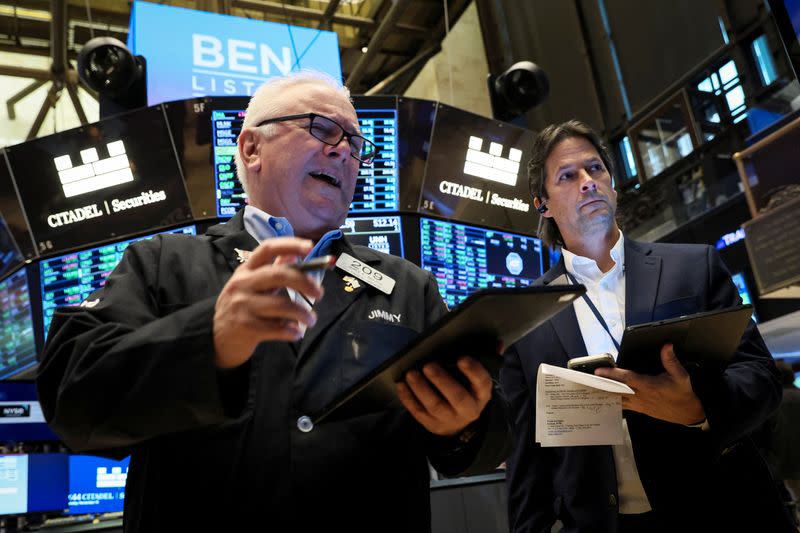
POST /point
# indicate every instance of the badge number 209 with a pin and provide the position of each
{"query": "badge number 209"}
(365, 273)
(365, 270)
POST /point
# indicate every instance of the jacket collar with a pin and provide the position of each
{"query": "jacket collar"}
(642, 276)
(231, 236)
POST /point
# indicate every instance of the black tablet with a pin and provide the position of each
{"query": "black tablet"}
(704, 339)
(486, 319)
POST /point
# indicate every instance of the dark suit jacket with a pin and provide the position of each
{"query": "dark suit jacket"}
(132, 372)
(691, 477)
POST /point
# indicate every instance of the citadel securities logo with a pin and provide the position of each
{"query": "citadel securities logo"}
(217, 54)
(489, 166)
(80, 214)
(492, 166)
(95, 173)
(114, 479)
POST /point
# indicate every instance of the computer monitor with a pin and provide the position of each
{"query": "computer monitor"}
(33, 483)
(740, 281)
(96, 484)
(102, 181)
(61, 482)
(377, 187)
(786, 14)
(17, 340)
(384, 233)
(69, 279)
(21, 417)
(554, 254)
(741, 286)
(12, 214)
(476, 172)
(227, 117)
(10, 255)
(467, 258)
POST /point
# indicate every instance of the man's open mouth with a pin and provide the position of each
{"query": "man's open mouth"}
(324, 176)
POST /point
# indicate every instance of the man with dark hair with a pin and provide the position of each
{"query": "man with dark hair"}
(687, 463)
(203, 357)
(543, 144)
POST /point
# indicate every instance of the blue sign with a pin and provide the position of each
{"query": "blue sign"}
(193, 53)
(730, 238)
(96, 484)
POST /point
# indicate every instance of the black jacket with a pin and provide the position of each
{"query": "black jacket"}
(131, 371)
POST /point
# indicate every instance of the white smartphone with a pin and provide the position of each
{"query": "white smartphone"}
(588, 363)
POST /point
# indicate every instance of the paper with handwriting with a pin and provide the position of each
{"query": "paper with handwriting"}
(577, 409)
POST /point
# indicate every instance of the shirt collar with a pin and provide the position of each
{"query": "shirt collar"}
(586, 269)
(262, 226)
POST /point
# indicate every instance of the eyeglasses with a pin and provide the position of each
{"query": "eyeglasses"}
(331, 132)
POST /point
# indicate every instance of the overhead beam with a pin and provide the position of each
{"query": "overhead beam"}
(275, 8)
(325, 21)
(11, 102)
(49, 101)
(419, 59)
(455, 9)
(58, 36)
(23, 72)
(376, 42)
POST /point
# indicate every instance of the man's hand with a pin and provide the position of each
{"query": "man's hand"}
(440, 403)
(668, 396)
(253, 305)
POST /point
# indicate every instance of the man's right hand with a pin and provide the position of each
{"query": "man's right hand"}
(253, 306)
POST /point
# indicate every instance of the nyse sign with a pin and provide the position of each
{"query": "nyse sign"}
(222, 55)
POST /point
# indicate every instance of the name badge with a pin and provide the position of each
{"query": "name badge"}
(365, 273)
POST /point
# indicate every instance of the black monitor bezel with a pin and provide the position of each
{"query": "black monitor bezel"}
(789, 37)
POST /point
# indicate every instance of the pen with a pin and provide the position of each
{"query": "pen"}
(318, 263)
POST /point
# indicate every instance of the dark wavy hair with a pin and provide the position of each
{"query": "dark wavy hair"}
(543, 145)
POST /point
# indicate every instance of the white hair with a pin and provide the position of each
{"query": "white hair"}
(264, 104)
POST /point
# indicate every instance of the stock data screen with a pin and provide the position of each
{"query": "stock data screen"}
(376, 188)
(226, 125)
(383, 234)
(464, 258)
(17, 343)
(70, 279)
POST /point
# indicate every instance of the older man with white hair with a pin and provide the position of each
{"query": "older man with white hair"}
(201, 355)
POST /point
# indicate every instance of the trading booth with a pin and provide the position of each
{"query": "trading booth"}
(448, 191)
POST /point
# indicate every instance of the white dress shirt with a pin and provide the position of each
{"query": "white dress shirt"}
(262, 226)
(607, 293)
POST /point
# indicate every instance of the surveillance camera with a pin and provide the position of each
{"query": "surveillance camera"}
(106, 65)
(522, 86)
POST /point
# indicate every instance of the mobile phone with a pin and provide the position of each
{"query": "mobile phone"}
(589, 362)
(324, 262)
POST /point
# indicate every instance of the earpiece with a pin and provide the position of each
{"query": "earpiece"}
(542, 209)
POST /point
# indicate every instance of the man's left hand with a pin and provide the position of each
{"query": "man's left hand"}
(668, 396)
(440, 403)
